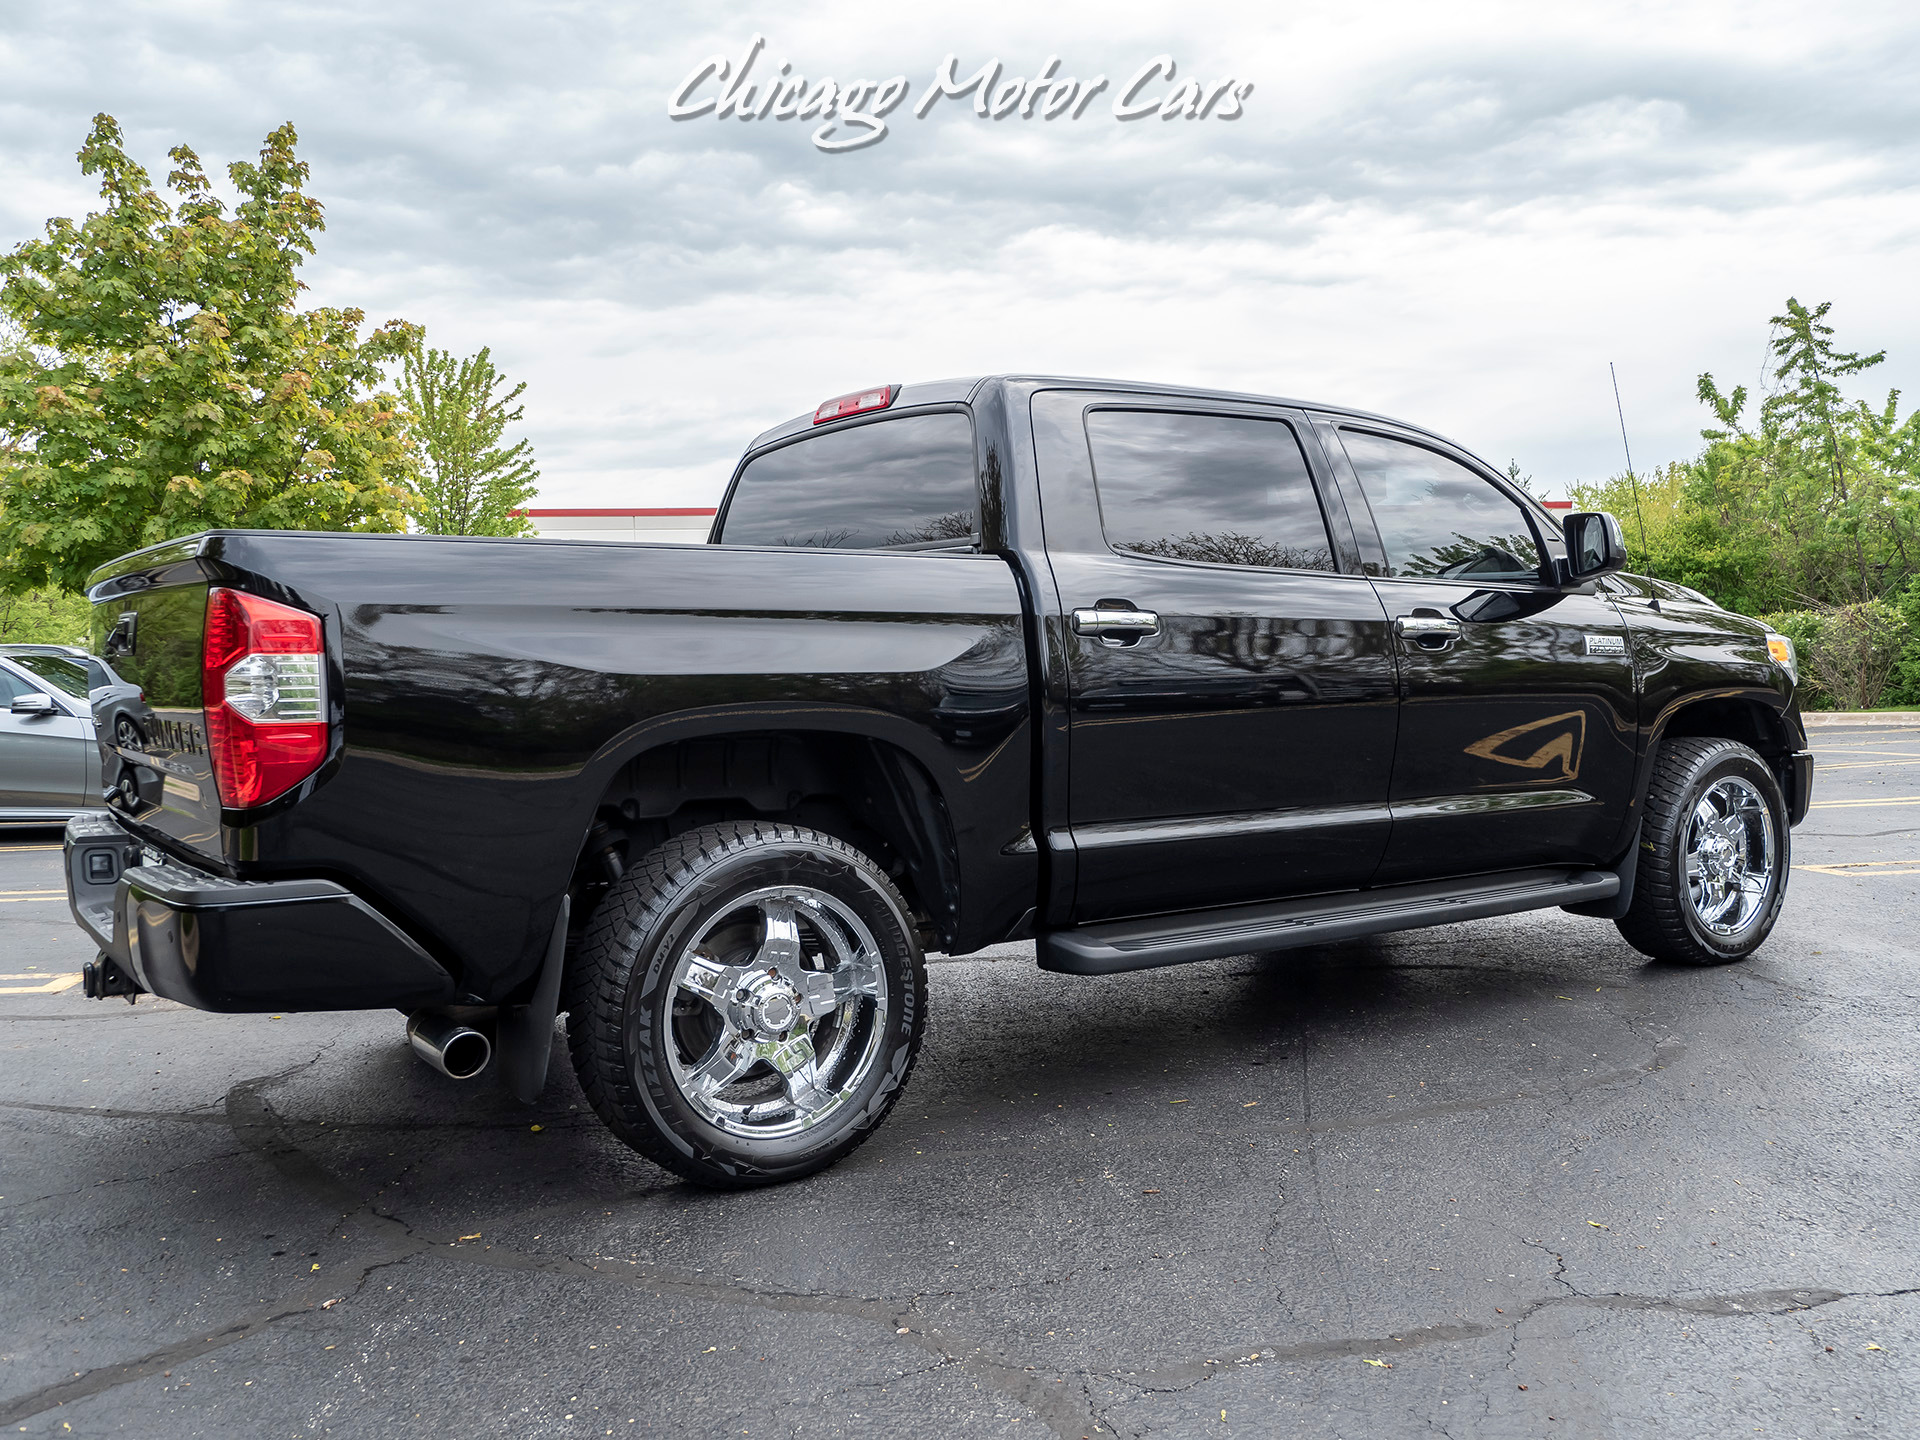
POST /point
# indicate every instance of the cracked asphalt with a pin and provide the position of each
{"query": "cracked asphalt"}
(1497, 1179)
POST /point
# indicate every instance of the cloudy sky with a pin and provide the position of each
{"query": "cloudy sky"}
(1457, 214)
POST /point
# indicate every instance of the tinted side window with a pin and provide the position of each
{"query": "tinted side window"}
(1222, 488)
(1438, 518)
(63, 676)
(909, 481)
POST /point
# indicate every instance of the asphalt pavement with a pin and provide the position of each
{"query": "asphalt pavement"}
(1496, 1179)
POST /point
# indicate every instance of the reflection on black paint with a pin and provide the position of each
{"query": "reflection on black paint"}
(492, 689)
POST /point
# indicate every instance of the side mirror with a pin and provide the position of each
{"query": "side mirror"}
(1595, 545)
(34, 702)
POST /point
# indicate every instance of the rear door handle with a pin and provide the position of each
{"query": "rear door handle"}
(1115, 622)
(1417, 625)
(1429, 632)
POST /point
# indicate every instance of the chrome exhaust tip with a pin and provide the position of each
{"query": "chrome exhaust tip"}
(457, 1051)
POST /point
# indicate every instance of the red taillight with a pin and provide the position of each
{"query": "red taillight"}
(842, 406)
(263, 683)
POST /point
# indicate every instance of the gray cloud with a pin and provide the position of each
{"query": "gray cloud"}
(1457, 217)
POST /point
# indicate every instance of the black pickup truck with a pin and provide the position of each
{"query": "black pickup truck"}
(1144, 674)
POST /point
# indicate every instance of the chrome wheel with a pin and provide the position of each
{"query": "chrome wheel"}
(777, 1009)
(1730, 856)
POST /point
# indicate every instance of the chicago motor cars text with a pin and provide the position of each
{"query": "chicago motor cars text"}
(853, 115)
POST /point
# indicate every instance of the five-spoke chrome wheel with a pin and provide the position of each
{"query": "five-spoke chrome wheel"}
(747, 1002)
(1730, 855)
(778, 1007)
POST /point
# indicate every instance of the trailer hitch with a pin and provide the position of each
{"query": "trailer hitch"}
(103, 977)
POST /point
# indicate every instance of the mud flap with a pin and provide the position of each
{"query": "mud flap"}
(1618, 905)
(525, 1032)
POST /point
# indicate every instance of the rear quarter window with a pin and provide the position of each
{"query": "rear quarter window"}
(898, 483)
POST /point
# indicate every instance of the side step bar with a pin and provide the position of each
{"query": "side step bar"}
(1120, 945)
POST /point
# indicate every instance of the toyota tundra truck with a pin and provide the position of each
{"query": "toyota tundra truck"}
(1144, 675)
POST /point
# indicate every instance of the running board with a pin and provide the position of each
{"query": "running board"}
(1109, 948)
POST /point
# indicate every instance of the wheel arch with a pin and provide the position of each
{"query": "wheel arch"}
(1756, 718)
(871, 791)
(1753, 717)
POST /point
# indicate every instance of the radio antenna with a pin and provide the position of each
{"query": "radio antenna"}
(1632, 479)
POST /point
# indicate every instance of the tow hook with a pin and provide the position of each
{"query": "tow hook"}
(103, 977)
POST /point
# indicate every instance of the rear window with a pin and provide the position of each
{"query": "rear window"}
(1220, 488)
(69, 677)
(905, 483)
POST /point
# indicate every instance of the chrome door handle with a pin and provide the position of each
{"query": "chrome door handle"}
(1109, 622)
(1426, 625)
(1424, 628)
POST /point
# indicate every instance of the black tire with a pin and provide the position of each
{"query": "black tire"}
(1664, 921)
(625, 1008)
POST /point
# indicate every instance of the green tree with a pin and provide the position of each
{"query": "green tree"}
(1829, 484)
(44, 617)
(169, 383)
(472, 484)
(1813, 415)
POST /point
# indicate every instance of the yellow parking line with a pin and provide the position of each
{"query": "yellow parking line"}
(23, 849)
(55, 984)
(29, 899)
(1866, 804)
(1825, 769)
(1866, 869)
(24, 894)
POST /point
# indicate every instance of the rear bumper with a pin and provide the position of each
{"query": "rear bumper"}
(1799, 786)
(240, 945)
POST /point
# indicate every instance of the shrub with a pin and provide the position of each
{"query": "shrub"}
(1847, 654)
(1903, 688)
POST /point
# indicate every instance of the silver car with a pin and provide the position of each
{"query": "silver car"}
(49, 761)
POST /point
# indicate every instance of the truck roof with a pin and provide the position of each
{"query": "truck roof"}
(935, 392)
